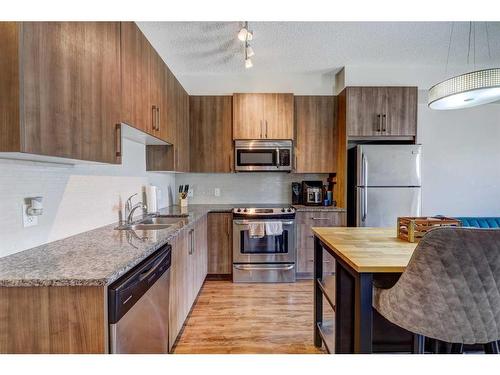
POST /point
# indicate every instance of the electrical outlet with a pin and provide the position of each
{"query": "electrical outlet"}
(190, 192)
(217, 192)
(28, 220)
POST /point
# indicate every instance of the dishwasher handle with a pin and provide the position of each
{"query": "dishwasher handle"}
(128, 289)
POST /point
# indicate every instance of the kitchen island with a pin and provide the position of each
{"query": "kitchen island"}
(364, 256)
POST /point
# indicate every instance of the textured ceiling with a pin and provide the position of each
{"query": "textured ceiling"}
(208, 53)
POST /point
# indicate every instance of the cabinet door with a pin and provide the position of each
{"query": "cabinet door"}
(315, 129)
(200, 255)
(179, 300)
(401, 113)
(210, 123)
(278, 116)
(365, 107)
(182, 139)
(135, 53)
(220, 244)
(167, 121)
(71, 85)
(156, 73)
(248, 115)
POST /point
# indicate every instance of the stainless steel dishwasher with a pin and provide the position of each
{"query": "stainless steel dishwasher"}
(138, 306)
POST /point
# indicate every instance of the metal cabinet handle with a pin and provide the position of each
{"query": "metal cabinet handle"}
(118, 141)
(320, 218)
(230, 164)
(384, 123)
(153, 117)
(191, 233)
(266, 128)
(325, 261)
(260, 128)
(158, 118)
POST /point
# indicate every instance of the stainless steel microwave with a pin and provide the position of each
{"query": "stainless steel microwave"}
(263, 156)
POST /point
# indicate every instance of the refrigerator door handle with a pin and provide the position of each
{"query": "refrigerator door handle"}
(365, 206)
(364, 170)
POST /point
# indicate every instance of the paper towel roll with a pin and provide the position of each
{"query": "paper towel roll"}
(152, 198)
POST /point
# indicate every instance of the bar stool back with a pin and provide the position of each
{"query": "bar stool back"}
(450, 290)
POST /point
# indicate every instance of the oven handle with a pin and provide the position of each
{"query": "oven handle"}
(246, 222)
(260, 268)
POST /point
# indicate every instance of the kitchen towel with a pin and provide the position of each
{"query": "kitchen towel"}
(256, 229)
(274, 228)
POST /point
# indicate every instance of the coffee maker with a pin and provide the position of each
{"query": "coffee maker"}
(312, 193)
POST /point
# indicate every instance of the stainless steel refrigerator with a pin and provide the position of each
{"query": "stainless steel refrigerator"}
(384, 182)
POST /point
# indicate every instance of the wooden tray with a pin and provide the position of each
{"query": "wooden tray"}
(412, 229)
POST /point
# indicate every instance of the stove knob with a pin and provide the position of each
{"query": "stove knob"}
(245, 210)
(289, 210)
(238, 210)
(282, 210)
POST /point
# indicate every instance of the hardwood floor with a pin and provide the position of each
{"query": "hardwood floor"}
(250, 318)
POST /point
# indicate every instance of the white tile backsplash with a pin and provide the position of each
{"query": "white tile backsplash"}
(75, 198)
(270, 187)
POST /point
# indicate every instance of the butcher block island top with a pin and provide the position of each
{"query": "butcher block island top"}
(368, 249)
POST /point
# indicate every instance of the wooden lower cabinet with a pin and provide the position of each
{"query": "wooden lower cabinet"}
(187, 274)
(220, 243)
(53, 320)
(305, 220)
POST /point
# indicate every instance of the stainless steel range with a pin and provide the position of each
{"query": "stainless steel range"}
(264, 244)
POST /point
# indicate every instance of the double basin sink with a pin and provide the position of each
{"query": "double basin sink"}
(154, 222)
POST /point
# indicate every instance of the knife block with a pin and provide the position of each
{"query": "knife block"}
(183, 202)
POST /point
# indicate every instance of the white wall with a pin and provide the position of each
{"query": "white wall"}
(76, 198)
(461, 160)
(243, 187)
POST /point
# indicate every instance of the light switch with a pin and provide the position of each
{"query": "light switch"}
(217, 192)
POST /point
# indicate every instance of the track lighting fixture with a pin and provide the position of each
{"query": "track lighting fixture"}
(245, 35)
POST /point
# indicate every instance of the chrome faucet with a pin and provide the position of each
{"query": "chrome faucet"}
(129, 209)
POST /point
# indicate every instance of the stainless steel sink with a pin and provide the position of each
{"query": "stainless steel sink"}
(154, 223)
(141, 226)
(160, 220)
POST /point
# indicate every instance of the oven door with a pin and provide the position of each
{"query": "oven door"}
(266, 249)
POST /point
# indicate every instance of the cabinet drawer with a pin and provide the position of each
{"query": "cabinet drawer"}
(320, 219)
(305, 261)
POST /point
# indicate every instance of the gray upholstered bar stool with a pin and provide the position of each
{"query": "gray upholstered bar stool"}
(450, 290)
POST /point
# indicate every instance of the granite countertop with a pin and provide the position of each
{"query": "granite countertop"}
(100, 256)
(301, 207)
(94, 258)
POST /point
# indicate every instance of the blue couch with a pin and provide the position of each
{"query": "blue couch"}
(480, 222)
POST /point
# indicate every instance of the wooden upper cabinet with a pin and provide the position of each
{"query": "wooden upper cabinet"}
(182, 145)
(401, 111)
(210, 123)
(248, 115)
(315, 129)
(381, 111)
(135, 55)
(174, 129)
(262, 116)
(60, 85)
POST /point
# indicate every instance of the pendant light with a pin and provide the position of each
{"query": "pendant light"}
(469, 89)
